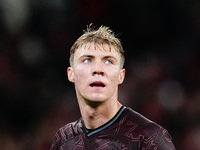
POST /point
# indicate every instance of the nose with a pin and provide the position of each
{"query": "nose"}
(98, 70)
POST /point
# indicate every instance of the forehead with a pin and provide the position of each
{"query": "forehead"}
(92, 48)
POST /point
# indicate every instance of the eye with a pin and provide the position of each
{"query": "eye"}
(108, 62)
(87, 61)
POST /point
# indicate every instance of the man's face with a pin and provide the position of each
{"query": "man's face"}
(96, 72)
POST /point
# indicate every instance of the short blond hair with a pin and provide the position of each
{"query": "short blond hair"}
(102, 35)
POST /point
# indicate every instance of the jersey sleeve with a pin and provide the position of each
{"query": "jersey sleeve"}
(157, 138)
(57, 141)
(66, 133)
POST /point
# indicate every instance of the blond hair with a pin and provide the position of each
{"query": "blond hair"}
(102, 35)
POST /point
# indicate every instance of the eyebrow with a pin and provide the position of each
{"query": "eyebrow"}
(110, 57)
(88, 56)
(91, 56)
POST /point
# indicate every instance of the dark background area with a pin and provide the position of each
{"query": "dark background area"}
(161, 40)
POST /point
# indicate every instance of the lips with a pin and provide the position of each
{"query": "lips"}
(97, 84)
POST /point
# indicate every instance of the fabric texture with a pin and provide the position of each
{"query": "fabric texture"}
(127, 130)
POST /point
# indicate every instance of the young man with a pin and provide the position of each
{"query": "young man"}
(96, 61)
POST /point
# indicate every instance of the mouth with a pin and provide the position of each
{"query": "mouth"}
(97, 84)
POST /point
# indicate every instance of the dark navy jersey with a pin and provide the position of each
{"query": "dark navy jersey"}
(127, 130)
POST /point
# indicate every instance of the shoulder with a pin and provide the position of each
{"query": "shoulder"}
(67, 132)
(71, 129)
(141, 121)
(132, 117)
(145, 126)
(149, 132)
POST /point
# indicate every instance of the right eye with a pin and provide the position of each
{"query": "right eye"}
(87, 61)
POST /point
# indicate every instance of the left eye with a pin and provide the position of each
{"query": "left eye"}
(108, 62)
(87, 61)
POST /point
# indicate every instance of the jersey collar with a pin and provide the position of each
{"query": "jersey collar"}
(91, 132)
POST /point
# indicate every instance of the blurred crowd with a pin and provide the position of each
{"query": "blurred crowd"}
(162, 48)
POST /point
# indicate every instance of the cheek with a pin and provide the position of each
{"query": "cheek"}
(114, 77)
(80, 74)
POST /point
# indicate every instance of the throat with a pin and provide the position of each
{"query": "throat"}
(91, 131)
(93, 104)
(95, 118)
(98, 116)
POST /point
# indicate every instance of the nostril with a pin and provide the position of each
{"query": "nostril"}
(98, 73)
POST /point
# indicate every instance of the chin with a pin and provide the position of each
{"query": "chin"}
(95, 98)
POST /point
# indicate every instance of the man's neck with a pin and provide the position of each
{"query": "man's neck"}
(96, 114)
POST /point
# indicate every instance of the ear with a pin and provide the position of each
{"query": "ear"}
(121, 76)
(70, 73)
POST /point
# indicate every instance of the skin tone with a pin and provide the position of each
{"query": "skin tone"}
(96, 74)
